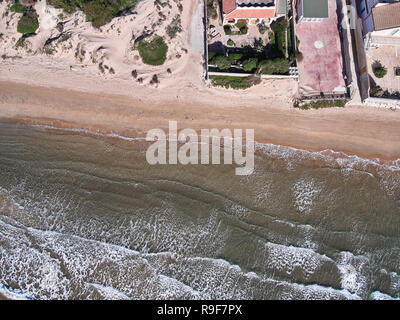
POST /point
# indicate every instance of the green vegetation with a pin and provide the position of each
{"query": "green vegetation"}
(321, 104)
(235, 56)
(99, 12)
(211, 55)
(212, 9)
(242, 26)
(250, 64)
(230, 43)
(376, 92)
(153, 52)
(262, 28)
(231, 82)
(29, 22)
(279, 37)
(16, 7)
(275, 66)
(274, 57)
(379, 70)
(222, 62)
(228, 29)
(175, 27)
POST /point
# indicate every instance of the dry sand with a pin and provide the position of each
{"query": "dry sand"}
(63, 90)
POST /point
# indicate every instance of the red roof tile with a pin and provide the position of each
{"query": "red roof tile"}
(228, 6)
(251, 13)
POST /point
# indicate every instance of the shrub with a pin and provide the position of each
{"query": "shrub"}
(321, 104)
(275, 66)
(230, 43)
(211, 55)
(242, 26)
(99, 12)
(211, 9)
(153, 52)
(262, 28)
(379, 70)
(228, 29)
(279, 28)
(16, 7)
(250, 64)
(175, 27)
(231, 82)
(376, 92)
(28, 23)
(222, 62)
(235, 56)
(299, 56)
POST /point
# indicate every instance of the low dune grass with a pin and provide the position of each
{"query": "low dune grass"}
(153, 52)
(99, 12)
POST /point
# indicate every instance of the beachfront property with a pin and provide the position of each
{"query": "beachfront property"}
(321, 68)
(381, 35)
(381, 22)
(253, 11)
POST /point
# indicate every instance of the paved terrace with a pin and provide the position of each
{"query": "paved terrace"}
(389, 56)
(321, 69)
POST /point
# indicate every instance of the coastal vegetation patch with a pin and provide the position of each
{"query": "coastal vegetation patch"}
(17, 7)
(320, 104)
(29, 22)
(232, 82)
(153, 52)
(99, 12)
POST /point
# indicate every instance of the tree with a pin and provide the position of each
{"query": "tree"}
(379, 70)
(250, 64)
(276, 66)
(222, 62)
(235, 56)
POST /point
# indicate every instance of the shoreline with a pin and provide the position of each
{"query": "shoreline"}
(365, 132)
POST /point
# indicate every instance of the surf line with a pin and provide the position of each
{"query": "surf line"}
(188, 153)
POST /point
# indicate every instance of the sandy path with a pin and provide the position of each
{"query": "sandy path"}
(366, 132)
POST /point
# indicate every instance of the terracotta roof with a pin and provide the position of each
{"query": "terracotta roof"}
(386, 16)
(228, 6)
(251, 13)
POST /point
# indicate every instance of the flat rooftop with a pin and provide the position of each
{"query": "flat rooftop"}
(386, 16)
(321, 69)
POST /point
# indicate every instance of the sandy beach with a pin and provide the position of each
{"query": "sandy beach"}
(65, 90)
(362, 131)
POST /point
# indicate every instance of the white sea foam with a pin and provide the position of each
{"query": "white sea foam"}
(12, 294)
(305, 191)
(377, 295)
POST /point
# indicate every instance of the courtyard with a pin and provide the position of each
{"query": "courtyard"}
(389, 57)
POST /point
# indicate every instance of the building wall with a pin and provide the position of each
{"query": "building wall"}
(365, 11)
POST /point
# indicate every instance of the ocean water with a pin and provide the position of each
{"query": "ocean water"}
(83, 216)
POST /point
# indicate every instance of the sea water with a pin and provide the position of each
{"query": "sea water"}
(84, 216)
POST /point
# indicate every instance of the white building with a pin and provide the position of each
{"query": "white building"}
(381, 22)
